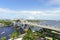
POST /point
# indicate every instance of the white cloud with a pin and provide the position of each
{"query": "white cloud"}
(31, 14)
(31, 17)
(3, 10)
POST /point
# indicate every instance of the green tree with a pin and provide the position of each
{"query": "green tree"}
(6, 22)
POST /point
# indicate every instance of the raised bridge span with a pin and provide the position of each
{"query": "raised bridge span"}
(43, 26)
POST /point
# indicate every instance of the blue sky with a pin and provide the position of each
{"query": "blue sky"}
(30, 9)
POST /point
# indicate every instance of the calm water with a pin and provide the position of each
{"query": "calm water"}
(51, 23)
(6, 31)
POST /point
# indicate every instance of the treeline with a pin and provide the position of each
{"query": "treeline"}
(5, 22)
(35, 20)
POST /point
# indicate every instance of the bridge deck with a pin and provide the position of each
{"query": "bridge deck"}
(43, 26)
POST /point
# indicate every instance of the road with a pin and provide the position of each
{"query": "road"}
(43, 26)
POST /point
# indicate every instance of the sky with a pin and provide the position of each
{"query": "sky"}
(30, 9)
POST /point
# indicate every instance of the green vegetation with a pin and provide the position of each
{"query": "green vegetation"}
(37, 35)
(5, 22)
(14, 34)
(51, 34)
(3, 38)
(29, 35)
(35, 20)
(33, 35)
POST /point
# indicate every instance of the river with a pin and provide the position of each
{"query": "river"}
(5, 31)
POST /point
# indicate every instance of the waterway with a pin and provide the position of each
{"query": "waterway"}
(5, 31)
(50, 23)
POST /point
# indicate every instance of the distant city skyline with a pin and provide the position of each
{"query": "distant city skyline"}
(30, 9)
